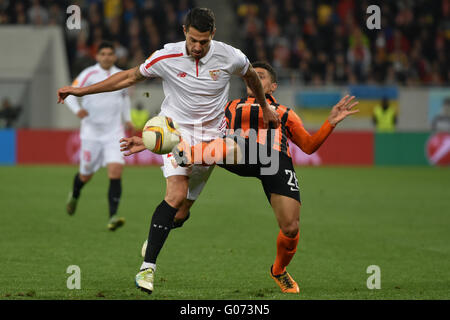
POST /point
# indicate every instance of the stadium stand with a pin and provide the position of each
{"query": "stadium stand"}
(137, 28)
(309, 42)
(327, 42)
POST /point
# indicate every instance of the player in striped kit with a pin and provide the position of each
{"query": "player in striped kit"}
(103, 117)
(281, 184)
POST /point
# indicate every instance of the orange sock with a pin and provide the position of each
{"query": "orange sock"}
(209, 153)
(286, 248)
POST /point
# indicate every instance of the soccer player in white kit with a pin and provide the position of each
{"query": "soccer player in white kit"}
(196, 74)
(102, 117)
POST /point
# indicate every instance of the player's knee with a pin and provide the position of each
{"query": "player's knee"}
(176, 191)
(179, 220)
(114, 176)
(175, 199)
(115, 172)
(181, 214)
(290, 229)
(85, 178)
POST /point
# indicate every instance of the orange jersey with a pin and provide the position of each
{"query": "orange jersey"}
(246, 114)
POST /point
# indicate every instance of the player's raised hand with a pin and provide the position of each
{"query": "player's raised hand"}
(131, 145)
(342, 109)
(64, 92)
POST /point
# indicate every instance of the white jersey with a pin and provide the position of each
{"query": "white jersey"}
(107, 110)
(196, 91)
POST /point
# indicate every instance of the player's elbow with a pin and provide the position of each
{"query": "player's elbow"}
(251, 77)
(135, 75)
(309, 146)
(309, 150)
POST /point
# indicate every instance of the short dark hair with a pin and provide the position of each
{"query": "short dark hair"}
(268, 67)
(201, 19)
(106, 44)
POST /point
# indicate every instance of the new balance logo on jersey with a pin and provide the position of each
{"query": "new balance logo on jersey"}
(182, 74)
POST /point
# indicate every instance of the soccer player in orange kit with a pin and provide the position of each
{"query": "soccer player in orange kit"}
(281, 187)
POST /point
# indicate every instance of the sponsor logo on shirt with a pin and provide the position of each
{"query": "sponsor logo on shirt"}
(438, 149)
(182, 74)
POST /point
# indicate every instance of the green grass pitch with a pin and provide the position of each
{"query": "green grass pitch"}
(352, 217)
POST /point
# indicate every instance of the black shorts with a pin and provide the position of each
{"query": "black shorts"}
(284, 181)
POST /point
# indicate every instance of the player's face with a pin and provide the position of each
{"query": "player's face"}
(266, 81)
(106, 58)
(197, 43)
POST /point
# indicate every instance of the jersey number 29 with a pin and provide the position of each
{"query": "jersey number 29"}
(293, 181)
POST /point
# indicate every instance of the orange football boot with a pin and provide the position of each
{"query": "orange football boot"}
(285, 282)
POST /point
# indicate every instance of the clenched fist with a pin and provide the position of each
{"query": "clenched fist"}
(64, 92)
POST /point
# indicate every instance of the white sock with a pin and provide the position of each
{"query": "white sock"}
(146, 265)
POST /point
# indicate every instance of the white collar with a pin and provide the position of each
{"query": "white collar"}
(206, 57)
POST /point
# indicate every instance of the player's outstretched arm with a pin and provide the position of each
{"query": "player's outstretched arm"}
(117, 81)
(131, 145)
(342, 109)
(310, 143)
(270, 116)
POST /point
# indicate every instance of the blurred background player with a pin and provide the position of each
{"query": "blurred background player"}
(384, 116)
(9, 113)
(441, 122)
(102, 118)
(139, 117)
(196, 74)
(281, 188)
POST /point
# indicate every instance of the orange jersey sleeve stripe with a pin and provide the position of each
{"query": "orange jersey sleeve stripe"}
(305, 141)
(245, 114)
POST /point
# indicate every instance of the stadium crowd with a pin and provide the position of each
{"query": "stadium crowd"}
(136, 27)
(311, 42)
(328, 42)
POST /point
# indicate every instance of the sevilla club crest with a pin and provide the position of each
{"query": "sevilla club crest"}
(214, 74)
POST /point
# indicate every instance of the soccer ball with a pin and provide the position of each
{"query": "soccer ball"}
(160, 135)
